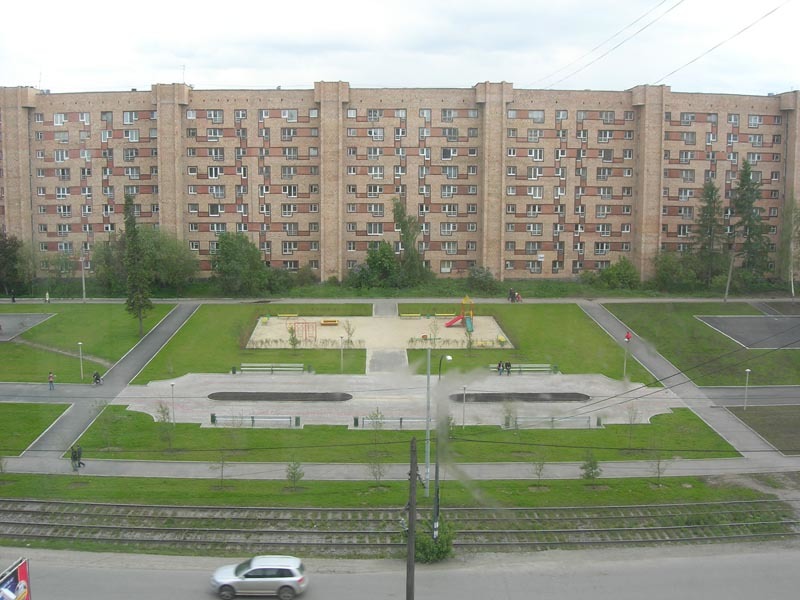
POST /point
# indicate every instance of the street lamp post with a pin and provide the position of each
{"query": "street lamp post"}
(448, 358)
(441, 358)
(172, 393)
(464, 408)
(746, 386)
(80, 357)
(428, 426)
(625, 360)
(341, 354)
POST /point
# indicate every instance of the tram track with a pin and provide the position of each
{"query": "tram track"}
(380, 532)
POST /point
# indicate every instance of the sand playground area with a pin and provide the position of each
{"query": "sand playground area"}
(376, 333)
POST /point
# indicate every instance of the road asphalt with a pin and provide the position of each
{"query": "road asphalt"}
(403, 390)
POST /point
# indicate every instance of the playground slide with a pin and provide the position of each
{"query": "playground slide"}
(454, 320)
(468, 323)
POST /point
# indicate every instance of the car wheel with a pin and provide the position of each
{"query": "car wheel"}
(286, 593)
(226, 592)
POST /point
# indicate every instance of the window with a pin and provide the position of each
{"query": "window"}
(534, 228)
(536, 154)
(607, 116)
(755, 120)
(601, 248)
(132, 135)
(374, 228)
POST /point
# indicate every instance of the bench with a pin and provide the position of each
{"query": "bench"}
(287, 315)
(329, 322)
(529, 368)
(410, 315)
(253, 421)
(445, 314)
(271, 367)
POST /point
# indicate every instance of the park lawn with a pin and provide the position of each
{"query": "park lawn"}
(779, 425)
(368, 493)
(25, 364)
(106, 330)
(213, 340)
(122, 434)
(706, 356)
(24, 422)
(556, 334)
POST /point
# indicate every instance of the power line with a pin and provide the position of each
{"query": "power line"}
(598, 46)
(725, 41)
(610, 50)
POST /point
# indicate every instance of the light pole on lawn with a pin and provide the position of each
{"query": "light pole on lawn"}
(428, 419)
(464, 407)
(172, 393)
(625, 360)
(341, 354)
(80, 357)
(746, 386)
(448, 358)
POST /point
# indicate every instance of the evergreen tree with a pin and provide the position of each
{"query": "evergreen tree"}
(750, 228)
(137, 266)
(710, 240)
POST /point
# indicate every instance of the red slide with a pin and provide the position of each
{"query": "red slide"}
(453, 321)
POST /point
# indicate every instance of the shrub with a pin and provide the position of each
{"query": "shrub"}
(427, 550)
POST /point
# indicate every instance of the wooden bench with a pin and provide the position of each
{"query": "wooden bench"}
(287, 315)
(410, 315)
(272, 367)
(445, 314)
(529, 368)
(329, 322)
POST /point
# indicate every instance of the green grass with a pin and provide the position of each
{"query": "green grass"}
(24, 423)
(122, 434)
(366, 494)
(706, 356)
(106, 330)
(213, 340)
(779, 425)
(558, 334)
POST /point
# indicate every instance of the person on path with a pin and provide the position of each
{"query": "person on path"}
(73, 457)
(508, 368)
(13, 297)
(500, 368)
(51, 380)
(47, 297)
(79, 453)
(518, 298)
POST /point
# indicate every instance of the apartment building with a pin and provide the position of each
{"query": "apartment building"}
(528, 183)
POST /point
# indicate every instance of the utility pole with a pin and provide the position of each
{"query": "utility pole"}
(412, 520)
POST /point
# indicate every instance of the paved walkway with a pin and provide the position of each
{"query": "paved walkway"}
(390, 383)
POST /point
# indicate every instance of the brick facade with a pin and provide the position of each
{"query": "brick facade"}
(528, 183)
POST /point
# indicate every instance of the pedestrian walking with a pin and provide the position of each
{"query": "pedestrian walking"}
(73, 457)
(511, 294)
(508, 368)
(79, 453)
(51, 380)
(47, 297)
(500, 368)
(518, 298)
(13, 297)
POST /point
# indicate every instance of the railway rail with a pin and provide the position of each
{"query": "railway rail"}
(380, 532)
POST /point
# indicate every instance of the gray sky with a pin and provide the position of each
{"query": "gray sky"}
(98, 46)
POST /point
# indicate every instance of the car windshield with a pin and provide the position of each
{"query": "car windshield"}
(242, 568)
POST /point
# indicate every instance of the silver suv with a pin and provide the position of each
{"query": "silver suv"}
(282, 576)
